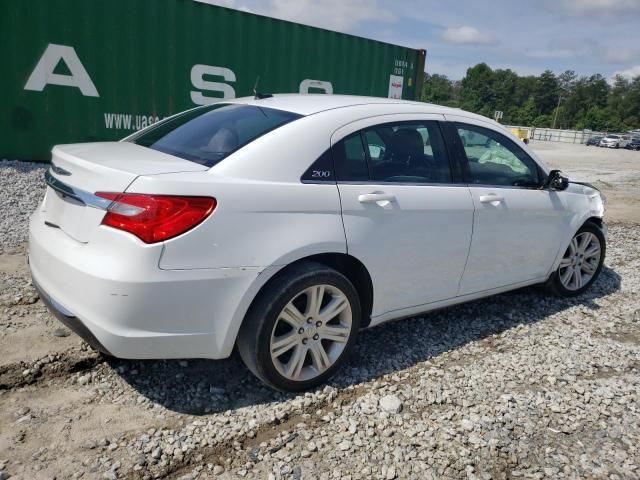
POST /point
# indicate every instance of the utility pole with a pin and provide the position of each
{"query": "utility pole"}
(555, 117)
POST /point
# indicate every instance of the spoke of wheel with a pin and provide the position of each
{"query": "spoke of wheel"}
(319, 357)
(292, 315)
(314, 300)
(565, 277)
(585, 241)
(573, 246)
(588, 268)
(334, 333)
(577, 275)
(295, 364)
(592, 252)
(284, 343)
(337, 304)
(565, 262)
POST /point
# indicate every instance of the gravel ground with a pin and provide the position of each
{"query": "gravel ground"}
(521, 385)
(21, 189)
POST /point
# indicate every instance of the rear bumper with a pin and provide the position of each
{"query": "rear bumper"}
(69, 320)
(112, 293)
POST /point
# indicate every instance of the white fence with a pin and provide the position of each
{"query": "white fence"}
(557, 135)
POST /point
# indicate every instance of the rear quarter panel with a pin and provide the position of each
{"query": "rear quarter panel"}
(255, 223)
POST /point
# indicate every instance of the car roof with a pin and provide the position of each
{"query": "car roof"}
(309, 104)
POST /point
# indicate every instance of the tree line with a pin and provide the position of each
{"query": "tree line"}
(565, 101)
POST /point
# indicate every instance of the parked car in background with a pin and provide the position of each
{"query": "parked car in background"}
(634, 144)
(615, 141)
(284, 225)
(594, 141)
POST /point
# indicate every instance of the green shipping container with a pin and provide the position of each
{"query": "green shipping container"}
(87, 70)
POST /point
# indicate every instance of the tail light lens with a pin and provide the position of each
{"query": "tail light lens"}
(154, 218)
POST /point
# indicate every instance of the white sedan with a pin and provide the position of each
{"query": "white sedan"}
(284, 225)
(615, 141)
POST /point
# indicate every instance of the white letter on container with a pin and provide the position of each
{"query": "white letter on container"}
(43, 74)
(197, 80)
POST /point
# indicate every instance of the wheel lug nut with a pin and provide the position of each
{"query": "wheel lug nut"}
(304, 341)
(316, 336)
(301, 331)
(318, 323)
(309, 320)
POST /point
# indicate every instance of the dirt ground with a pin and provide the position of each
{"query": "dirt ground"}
(68, 412)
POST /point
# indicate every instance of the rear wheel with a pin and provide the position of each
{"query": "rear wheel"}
(581, 263)
(300, 328)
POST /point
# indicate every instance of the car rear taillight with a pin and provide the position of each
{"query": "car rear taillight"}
(154, 218)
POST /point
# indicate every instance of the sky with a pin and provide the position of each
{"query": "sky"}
(528, 36)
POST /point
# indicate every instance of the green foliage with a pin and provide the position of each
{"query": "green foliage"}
(437, 89)
(584, 102)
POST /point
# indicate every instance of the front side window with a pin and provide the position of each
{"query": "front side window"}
(207, 135)
(493, 159)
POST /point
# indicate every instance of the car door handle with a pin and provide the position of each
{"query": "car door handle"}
(491, 198)
(376, 197)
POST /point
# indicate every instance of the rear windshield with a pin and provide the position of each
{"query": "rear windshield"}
(207, 135)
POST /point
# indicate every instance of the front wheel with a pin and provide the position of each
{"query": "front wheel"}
(581, 263)
(301, 327)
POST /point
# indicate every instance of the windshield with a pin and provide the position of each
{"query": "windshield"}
(209, 134)
(613, 137)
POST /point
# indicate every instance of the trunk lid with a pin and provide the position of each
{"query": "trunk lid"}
(87, 168)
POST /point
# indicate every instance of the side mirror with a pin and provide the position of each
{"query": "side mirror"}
(555, 181)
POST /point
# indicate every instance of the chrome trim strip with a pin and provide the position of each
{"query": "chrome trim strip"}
(89, 199)
(399, 184)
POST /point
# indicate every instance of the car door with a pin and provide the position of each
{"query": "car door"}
(518, 225)
(405, 216)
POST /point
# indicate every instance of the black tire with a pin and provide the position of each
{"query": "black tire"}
(255, 333)
(555, 286)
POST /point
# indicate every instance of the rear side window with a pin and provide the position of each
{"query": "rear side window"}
(403, 152)
(350, 159)
(407, 152)
(207, 135)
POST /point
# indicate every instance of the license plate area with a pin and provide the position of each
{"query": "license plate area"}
(70, 215)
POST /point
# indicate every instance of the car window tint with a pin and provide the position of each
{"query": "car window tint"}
(349, 159)
(494, 160)
(407, 152)
(209, 134)
(375, 143)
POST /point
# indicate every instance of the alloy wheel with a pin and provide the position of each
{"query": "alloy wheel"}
(311, 332)
(580, 262)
